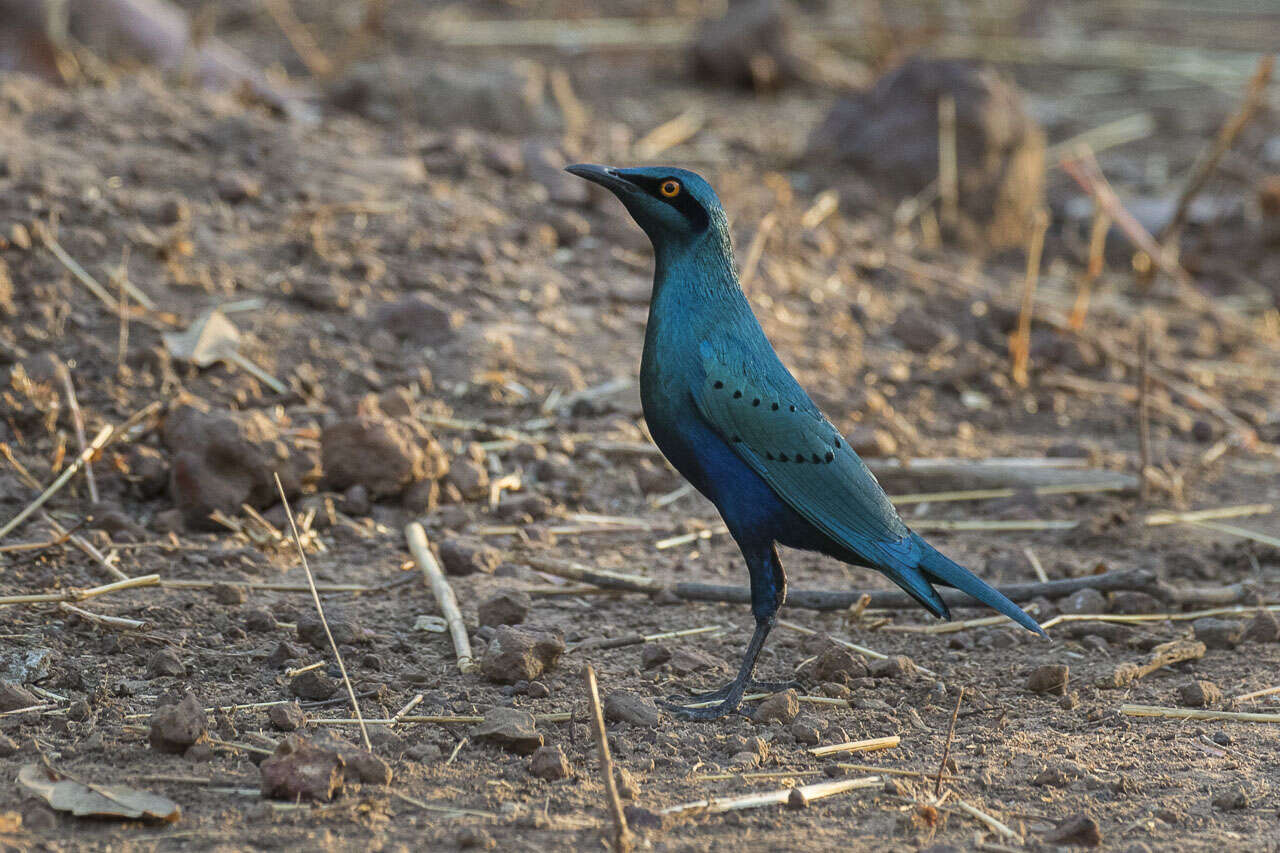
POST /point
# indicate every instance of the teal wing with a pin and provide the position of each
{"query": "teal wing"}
(779, 432)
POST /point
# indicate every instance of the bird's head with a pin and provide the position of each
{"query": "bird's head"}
(673, 206)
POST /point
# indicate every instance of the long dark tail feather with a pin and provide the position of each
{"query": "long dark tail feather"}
(943, 570)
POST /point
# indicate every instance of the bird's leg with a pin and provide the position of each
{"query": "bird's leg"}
(768, 590)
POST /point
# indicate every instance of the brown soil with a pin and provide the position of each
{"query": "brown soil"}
(436, 276)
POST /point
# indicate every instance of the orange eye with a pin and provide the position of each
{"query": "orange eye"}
(669, 189)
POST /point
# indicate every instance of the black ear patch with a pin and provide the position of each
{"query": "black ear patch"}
(684, 202)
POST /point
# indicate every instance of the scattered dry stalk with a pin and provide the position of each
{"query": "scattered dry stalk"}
(324, 623)
(443, 592)
(621, 834)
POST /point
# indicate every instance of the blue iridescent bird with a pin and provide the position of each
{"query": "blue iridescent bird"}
(734, 422)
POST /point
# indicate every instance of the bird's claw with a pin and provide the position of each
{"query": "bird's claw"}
(727, 699)
(753, 686)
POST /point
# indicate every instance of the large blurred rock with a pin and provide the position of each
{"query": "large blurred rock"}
(749, 47)
(508, 98)
(224, 459)
(889, 137)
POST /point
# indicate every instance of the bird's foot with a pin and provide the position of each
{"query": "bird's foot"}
(722, 702)
(752, 686)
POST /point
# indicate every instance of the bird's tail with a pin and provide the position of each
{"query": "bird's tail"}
(942, 570)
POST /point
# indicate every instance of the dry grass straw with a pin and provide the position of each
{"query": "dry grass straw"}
(1196, 714)
(621, 841)
(443, 592)
(800, 796)
(315, 597)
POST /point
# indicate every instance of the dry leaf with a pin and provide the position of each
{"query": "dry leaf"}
(79, 799)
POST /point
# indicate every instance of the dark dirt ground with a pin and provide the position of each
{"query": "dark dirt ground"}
(390, 260)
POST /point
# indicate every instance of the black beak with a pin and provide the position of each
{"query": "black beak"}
(604, 176)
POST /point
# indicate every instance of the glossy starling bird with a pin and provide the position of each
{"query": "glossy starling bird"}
(733, 420)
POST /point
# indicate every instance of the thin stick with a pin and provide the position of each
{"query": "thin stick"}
(756, 249)
(1222, 143)
(948, 170)
(109, 621)
(55, 248)
(1138, 618)
(443, 592)
(300, 38)
(1242, 532)
(101, 440)
(78, 421)
(894, 771)
(1211, 514)
(86, 546)
(408, 706)
(862, 650)
(669, 134)
(869, 745)
(621, 834)
(1257, 694)
(324, 623)
(81, 594)
(1144, 410)
(440, 720)
(1020, 344)
(946, 749)
(808, 793)
(1194, 714)
(990, 821)
(1035, 565)
(1097, 246)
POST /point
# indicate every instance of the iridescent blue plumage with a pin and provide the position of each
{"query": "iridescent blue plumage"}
(732, 419)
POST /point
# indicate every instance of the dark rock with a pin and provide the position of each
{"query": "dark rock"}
(808, 729)
(355, 501)
(1076, 831)
(1087, 600)
(749, 47)
(1219, 633)
(509, 728)
(282, 654)
(1199, 694)
(519, 654)
(344, 628)
(892, 667)
(1264, 627)
(917, 330)
(177, 726)
(889, 136)
(872, 442)
(550, 763)
(685, 661)
(462, 556)
(469, 477)
(230, 594)
(837, 663)
(301, 770)
(222, 460)
(148, 471)
(627, 707)
(654, 655)
(383, 455)
(287, 717)
(1049, 678)
(13, 697)
(237, 187)
(475, 838)
(1231, 799)
(418, 319)
(508, 607)
(778, 708)
(1133, 601)
(259, 621)
(166, 662)
(314, 685)
(361, 765)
